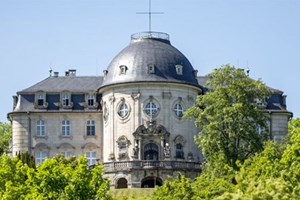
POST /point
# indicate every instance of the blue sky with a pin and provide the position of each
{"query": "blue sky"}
(262, 35)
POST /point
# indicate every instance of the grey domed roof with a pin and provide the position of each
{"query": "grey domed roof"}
(133, 63)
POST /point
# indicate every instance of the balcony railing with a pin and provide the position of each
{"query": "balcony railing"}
(151, 164)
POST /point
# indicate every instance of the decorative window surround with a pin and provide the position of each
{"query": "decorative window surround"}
(40, 101)
(65, 100)
(123, 69)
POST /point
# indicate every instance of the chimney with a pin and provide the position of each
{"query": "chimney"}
(72, 72)
(56, 74)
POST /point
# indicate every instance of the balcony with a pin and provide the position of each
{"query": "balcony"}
(151, 164)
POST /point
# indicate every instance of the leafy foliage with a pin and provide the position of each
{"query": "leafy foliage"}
(241, 163)
(27, 158)
(179, 188)
(228, 116)
(56, 178)
(5, 137)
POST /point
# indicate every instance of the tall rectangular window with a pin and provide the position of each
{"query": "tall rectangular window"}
(65, 128)
(40, 128)
(91, 100)
(40, 157)
(90, 128)
(91, 157)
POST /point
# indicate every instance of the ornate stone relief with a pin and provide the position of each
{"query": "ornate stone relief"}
(152, 129)
(123, 144)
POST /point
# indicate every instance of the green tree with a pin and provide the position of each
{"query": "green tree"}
(179, 188)
(291, 158)
(27, 158)
(228, 116)
(13, 176)
(5, 137)
(56, 178)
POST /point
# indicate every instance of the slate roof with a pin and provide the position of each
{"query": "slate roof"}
(74, 84)
(144, 51)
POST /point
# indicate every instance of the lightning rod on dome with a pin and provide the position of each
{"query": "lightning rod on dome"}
(150, 13)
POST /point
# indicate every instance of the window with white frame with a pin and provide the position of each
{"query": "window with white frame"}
(40, 100)
(91, 100)
(151, 109)
(123, 110)
(66, 100)
(90, 128)
(40, 128)
(91, 157)
(40, 157)
(65, 128)
(178, 110)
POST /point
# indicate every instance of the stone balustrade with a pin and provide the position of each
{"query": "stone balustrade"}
(151, 164)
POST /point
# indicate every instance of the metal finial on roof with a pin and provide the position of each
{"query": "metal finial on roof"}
(248, 71)
(50, 71)
(149, 13)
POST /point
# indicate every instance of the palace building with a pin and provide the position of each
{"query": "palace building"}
(129, 119)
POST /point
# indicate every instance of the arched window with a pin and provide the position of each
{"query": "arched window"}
(179, 143)
(151, 152)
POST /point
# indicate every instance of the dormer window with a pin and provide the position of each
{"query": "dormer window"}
(151, 69)
(91, 100)
(66, 100)
(40, 100)
(123, 69)
(178, 69)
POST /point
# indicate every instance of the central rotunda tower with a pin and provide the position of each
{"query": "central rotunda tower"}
(146, 89)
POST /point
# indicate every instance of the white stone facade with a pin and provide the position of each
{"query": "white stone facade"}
(130, 119)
